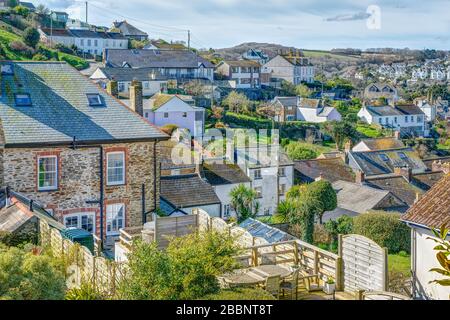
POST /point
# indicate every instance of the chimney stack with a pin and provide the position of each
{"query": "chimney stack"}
(360, 177)
(136, 99)
(112, 87)
(405, 172)
(438, 166)
(397, 135)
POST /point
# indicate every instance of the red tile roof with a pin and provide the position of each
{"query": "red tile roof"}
(433, 209)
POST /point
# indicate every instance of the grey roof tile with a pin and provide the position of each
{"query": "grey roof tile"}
(60, 109)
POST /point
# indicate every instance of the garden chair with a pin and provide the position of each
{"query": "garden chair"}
(272, 286)
(311, 283)
(290, 284)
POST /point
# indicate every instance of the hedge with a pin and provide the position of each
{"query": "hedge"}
(386, 229)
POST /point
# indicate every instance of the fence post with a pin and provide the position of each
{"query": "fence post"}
(339, 278)
(296, 260)
(316, 262)
(254, 257)
(359, 295)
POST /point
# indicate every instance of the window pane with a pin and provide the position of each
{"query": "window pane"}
(116, 168)
(47, 173)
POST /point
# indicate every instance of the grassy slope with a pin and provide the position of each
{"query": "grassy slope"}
(400, 263)
(319, 54)
(7, 37)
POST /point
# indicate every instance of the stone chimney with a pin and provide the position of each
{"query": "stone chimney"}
(136, 99)
(112, 87)
(360, 177)
(405, 172)
(438, 166)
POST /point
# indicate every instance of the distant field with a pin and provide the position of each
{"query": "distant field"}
(319, 54)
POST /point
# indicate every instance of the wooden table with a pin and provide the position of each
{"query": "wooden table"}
(255, 275)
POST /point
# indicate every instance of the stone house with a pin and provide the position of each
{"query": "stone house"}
(292, 68)
(129, 31)
(76, 150)
(244, 72)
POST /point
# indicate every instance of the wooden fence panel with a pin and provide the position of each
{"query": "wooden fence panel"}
(364, 264)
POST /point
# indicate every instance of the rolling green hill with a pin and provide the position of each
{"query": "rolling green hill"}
(45, 53)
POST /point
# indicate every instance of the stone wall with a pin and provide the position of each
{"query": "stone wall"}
(79, 179)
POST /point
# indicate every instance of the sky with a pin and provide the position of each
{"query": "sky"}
(306, 24)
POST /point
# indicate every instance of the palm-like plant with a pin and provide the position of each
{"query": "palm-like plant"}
(443, 255)
(243, 201)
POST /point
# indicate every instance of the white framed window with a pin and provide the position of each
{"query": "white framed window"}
(258, 191)
(82, 220)
(115, 167)
(282, 172)
(226, 210)
(115, 218)
(282, 189)
(47, 173)
(257, 174)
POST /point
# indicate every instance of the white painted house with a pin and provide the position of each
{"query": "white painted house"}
(303, 109)
(407, 119)
(87, 41)
(429, 213)
(271, 173)
(429, 110)
(294, 69)
(178, 112)
(152, 82)
(224, 177)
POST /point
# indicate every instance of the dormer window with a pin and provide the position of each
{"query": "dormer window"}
(384, 157)
(7, 69)
(22, 99)
(94, 100)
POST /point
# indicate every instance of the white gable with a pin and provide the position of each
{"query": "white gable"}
(98, 74)
(175, 105)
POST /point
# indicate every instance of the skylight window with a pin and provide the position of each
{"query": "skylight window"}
(402, 156)
(22, 99)
(7, 69)
(94, 99)
(384, 157)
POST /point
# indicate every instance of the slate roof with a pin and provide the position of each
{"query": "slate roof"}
(81, 33)
(356, 197)
(188, 191)
(60, 110)
(433, 209)
(165, 151)
(128, 29)
(128, 75)
(399, 186)
(310, 103)
(427, 180)
(13, 218)
(287, 101)
(383, 143)
(297, 61)
(429, 162)
(372, 163)
(331, 169)
(221, 174)
(262, 230)
(242, 63)
(155, 58)
(27, 5)
(409, 109)
(398, 110)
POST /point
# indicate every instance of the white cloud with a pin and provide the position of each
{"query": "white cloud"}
(319, 24)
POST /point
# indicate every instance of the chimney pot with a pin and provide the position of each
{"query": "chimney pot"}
(112, 87)
(405, 172)
(136, 98)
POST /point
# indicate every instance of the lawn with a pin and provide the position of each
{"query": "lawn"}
(369, 131)
(318, 148)
(7, 37)
(400, 263)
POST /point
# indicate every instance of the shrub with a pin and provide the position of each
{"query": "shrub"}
(298, 152)
(16, 239)
(186, 270)
(21, 48)
(169, 128)
(386, 229)
(62, 48)
(85, 292)
(25, 275)
(240, 294)
(31, 37)
(39, 57)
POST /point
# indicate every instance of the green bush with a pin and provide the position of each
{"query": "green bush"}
(17, 239)
(31, 37)
(39, 57)
(298, 152)
(27, 275)
(240, 294)
(386, 229)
